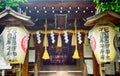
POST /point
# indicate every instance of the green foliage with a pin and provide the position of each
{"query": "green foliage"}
(117, 28)
(96, 1)
(113, 5)
(11, 3)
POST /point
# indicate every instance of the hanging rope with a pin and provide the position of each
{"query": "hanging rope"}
(31, 41)
(86, 41)
(76, 54)
(59, 42)
(45, 43)
(45, 54)
(73, 40)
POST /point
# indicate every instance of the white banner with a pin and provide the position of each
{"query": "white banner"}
(15, 43)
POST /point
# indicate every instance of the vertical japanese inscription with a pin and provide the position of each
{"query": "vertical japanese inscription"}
(11, 44)
(104, 43)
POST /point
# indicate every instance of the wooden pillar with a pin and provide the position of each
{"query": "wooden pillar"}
(18, 71)
(25, 66)
(38, 59)
(117, 72)
(35, 69)
(3, 72)
(95, 67)
(119, 69)
(102, 70)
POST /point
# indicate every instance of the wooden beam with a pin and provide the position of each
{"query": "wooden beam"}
(25, 66)
(95, 67)
(56, 6)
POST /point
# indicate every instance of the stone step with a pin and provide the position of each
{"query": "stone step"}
(60, 73)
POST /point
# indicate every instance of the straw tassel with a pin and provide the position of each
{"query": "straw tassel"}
(45, 54)
(75, 54)
(31, 41)
(45, 43)
(59, 42)
(86, 40)
(73, 43)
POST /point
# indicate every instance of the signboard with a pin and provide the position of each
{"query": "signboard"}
(87, 51)
(89, 64)
(15, 43)
(31, 56)
(102, 42)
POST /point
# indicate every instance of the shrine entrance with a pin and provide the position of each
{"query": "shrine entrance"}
(60, 58)
(56, 50)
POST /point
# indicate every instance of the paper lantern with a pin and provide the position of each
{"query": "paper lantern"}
(15, 43)
(102, 42)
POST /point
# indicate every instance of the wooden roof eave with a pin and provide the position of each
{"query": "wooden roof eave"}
(21, 17)
(7, 21)
(96, 18)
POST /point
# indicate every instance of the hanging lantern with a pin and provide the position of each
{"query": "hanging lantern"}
(15, 43)
(102, 42)
(59, 42)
